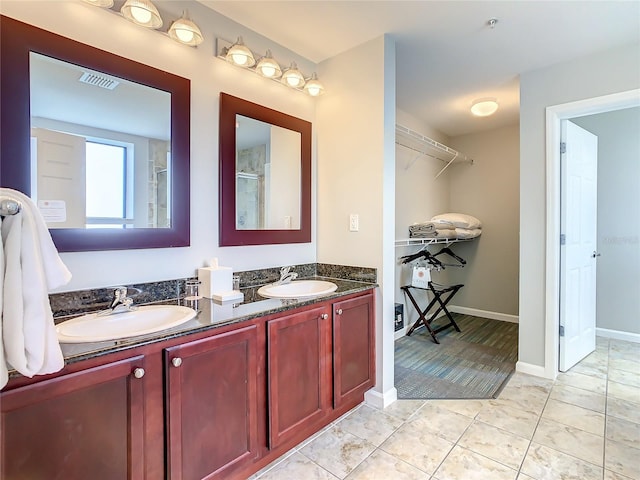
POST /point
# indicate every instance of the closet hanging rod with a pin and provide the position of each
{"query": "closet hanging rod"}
(8, 206)
(425, 146)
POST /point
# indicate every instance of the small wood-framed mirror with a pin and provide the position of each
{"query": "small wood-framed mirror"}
(150, 203)
(265, 175)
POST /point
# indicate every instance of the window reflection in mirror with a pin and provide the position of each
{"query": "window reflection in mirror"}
(268, 176)
(100, 148)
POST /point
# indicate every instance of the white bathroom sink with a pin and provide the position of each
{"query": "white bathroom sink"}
(142, 321)
(298, 289)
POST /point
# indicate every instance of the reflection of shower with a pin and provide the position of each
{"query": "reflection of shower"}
(249, 201)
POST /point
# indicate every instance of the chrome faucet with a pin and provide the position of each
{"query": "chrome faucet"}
(121, 303)
(286, 275)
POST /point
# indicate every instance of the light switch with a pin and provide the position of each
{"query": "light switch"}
(354, 222)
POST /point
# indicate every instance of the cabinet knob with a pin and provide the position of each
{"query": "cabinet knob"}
(139, 372)
(176, 362)
(324, 316)
(339, 311)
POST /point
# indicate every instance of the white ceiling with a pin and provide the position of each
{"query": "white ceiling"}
(446, 53)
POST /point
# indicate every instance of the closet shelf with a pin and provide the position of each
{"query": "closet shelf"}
(426, 146)
(407, 242)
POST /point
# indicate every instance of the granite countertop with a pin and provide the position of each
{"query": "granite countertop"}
(212, 315)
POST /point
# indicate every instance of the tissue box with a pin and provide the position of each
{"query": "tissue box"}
(214, 280)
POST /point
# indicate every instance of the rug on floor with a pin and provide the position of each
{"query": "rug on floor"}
(473, 363)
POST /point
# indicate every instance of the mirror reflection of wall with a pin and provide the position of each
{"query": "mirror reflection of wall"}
(268, 176)
(99, 144)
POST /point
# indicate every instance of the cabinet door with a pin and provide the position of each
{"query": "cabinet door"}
(212, 405)
(298, 366)
(88, 424)
(353, 349)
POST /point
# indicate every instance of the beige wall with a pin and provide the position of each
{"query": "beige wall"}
(209, 76)
(488, 190)
(596, 75)
(356, 175)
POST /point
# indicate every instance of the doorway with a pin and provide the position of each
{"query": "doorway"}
(554, 117)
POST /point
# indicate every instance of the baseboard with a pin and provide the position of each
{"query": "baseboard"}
(505, 317)
(531, 369)
(380, 400)
(618, 335)
(400, 333)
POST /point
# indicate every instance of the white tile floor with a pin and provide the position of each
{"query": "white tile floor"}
(583, 426)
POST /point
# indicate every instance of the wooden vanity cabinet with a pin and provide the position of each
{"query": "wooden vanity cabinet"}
(353, 349)
(298, 372)
(87, 424)
(212, 405)
(217, 404)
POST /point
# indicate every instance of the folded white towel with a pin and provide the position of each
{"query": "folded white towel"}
(32, 267)
(458, 220)
(466, 233)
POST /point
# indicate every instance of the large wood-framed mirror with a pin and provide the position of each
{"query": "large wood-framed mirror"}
(75, 119)
(265, 175)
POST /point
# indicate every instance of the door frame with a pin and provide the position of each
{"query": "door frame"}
(554, 115)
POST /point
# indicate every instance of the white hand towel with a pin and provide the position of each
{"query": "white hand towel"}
(4, 371)
(32, 267)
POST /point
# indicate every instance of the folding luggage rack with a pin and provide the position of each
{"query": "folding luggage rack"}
(442, 294)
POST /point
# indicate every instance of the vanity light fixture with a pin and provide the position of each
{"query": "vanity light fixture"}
(313, 86)
(292, 76)
(240, 55)
(185, 31)
(142, 12)
(484, 107)
(268, 67)
(101, 3)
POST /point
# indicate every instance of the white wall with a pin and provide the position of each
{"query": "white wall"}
(419, 196)
(209, 76)
(618, 273)
(596, 75)
(355, 123)
(488, 190)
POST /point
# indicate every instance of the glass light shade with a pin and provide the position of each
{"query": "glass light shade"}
(142, 12)
(293, 77)
(185, 31)
(313, 87)
(240, 55)
(484, 107)
(268, 67)
(101, 3)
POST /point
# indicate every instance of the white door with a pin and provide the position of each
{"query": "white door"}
(61, 177)
(578, 250)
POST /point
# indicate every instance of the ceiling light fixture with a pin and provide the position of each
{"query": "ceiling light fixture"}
(185, 31)
(293, 77)
(101, 3)
(240, 55)
(268, 67)
(142, 12)
(484, 107)
(313, 86)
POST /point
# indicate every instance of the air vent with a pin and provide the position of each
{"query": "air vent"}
(97, 80)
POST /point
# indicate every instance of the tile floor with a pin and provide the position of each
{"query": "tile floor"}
(583, 426)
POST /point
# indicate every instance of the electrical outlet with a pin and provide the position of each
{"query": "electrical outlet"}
(354, 222)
